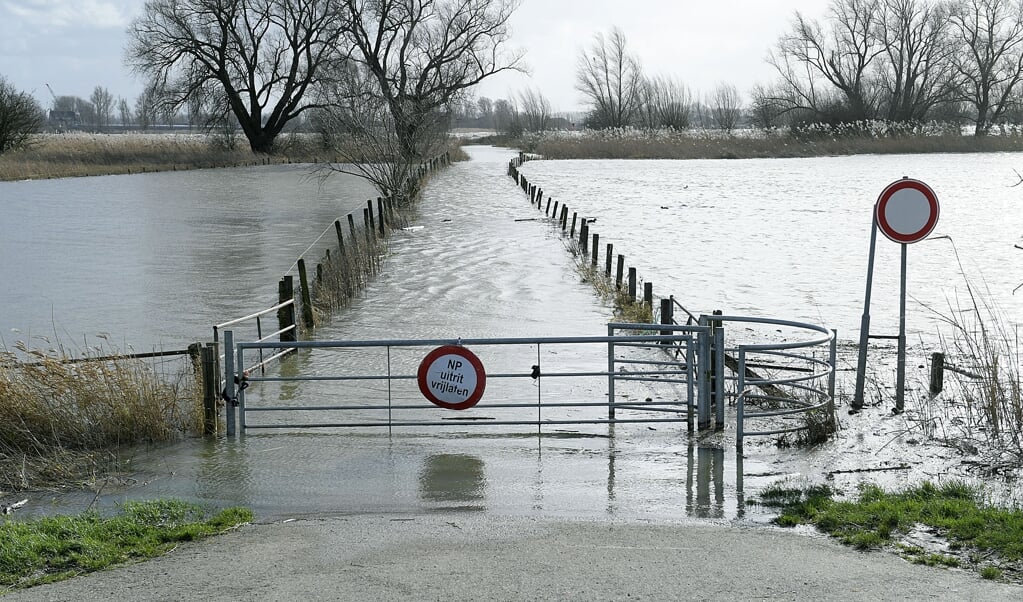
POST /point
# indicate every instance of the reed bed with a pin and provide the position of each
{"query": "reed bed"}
(810, 141)
(981, 407)
(80, 154)
(64, 416)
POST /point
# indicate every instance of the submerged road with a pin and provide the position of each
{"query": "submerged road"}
(473, 556)
(361, 552)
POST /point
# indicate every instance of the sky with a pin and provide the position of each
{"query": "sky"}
(76, 45)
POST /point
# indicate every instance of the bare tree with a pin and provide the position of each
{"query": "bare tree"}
(990, 58)
(125, 112)
(535, 110)
(103, 104)
(669, 103)
(253, 59)
(840, 57)
(422, 54)
(726, 106)
(769, 106)
(486, 110)
(917, 71)
(611, 80)
(21, 117)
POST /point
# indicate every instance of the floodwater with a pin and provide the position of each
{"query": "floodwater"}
(155, 260)
(785, 239)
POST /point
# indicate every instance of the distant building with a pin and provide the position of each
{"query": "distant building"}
(62, 120)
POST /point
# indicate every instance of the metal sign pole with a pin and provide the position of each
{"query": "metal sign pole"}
(900, 370)
(861, 364)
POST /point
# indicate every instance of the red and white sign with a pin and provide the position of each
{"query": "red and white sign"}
(452, 377)
(906, 211)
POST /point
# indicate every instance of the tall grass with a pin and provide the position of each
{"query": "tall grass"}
(64, 416)
(80, 154)
(810, 141)
(983, 394)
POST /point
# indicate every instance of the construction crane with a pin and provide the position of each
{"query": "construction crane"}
(61, 120)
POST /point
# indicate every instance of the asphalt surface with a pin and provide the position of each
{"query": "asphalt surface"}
(469, 556)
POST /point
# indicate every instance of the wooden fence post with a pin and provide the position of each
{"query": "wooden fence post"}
(571, 233)
(307, 299)
(380, 215)
(620, 271)
(286, 315)
(340, 239)
(596, 247)
(632, 284)
(648, 295)
(667, 317)
(351, 226)
(547, 211)
(937, 373)
(609, 259)
(208, 361)
(584, 238)
(370, 222)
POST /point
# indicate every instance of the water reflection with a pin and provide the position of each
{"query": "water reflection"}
(455, 481)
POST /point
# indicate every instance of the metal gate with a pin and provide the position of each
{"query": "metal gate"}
(637, 373)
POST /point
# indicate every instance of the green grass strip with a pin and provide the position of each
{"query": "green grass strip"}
(58, 547)
(876, 517)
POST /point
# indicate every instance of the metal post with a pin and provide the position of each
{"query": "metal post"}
(900, 369)
(832, 360)
(610, 375)
(861, 363)
(229, 381)
(719, 374)
(740, 405)
(704, 376)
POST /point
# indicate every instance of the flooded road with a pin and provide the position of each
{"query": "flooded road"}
(477, 264)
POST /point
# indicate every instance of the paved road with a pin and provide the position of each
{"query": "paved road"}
(470, 556)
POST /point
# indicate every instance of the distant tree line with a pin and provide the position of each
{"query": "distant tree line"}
(895, 60)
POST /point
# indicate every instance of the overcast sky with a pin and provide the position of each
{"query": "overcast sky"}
(76, 45)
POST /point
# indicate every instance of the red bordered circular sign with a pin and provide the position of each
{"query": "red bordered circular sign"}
(906, 211)
(452, 377)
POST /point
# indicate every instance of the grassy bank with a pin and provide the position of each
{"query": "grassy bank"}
(80, 154)
(973, 535)
(59, 547)
(754, 144)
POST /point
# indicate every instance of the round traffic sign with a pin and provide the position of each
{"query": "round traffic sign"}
(906, 211)
(452, 377)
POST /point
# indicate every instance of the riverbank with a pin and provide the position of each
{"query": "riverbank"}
(80, 154)
(758, 144)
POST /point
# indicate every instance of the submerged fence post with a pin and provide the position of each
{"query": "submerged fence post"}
(351, 226)
(620, 271)
(937, 373)
(596, 248)
(608, 260)
(648, 295)
(380, 215)
(307, 300)
(584, 239)
(340, 239)
(632, 285)
(286, 315)
(667, 317)
(208, 361)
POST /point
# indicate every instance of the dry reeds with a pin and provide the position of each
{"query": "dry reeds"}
(81, 154)
(984, 396)
(62, 416)
(810, 141)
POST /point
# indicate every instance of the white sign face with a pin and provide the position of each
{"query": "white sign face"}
(906, 211)
(451, 378)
